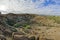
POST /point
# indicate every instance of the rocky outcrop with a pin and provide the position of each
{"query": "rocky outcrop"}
(7, 32)
(20, 37)
(2, 37)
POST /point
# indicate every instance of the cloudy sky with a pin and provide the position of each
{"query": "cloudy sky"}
(46, 7)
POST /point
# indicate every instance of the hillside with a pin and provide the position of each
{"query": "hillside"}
(29, 27)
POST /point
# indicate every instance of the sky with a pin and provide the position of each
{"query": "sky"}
(45, 7)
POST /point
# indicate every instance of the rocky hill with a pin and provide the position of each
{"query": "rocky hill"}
(29, 27)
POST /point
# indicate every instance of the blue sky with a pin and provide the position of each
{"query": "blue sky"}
(46, 7)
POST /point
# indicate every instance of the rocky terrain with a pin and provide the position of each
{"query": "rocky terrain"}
(29, 27)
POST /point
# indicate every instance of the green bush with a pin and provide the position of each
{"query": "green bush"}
(10, 22)
(27, 27)
(17, 25)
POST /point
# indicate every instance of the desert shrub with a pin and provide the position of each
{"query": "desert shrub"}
(17, 25)
(13, 29)
(55, 18)
(10, 22)
(27, 27)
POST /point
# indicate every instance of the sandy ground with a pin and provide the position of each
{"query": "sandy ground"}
(53, 33)
(50, 33)
(9, 38)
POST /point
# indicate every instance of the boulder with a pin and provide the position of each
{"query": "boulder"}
(17, 33)
(20, 37)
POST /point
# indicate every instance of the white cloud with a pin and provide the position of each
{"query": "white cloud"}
(31, 7)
